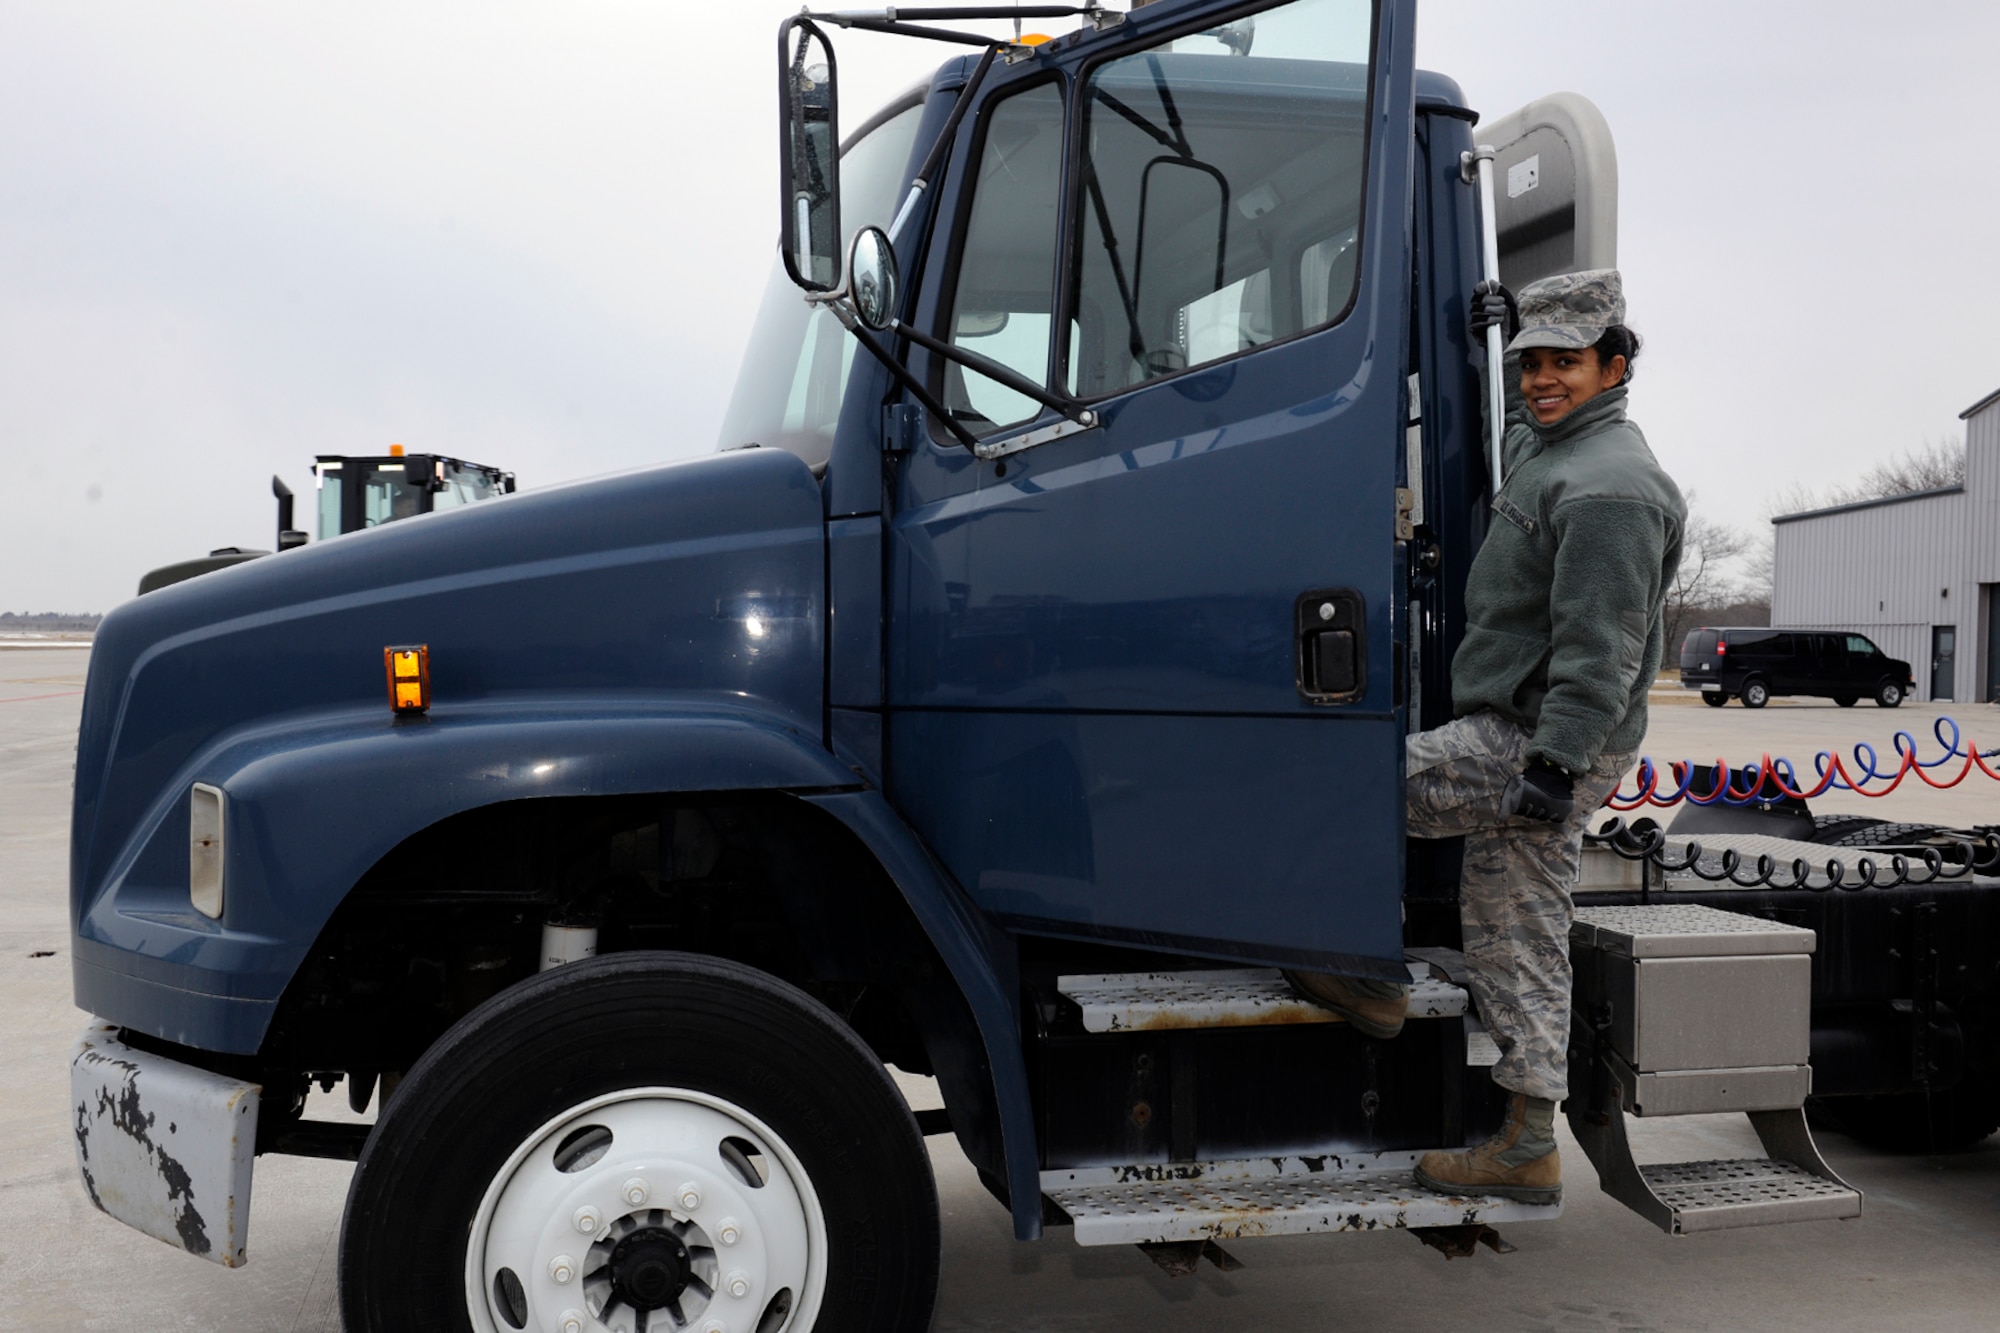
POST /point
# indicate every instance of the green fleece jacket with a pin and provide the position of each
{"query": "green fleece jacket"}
(1563, 626)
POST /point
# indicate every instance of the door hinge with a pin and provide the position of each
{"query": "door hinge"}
(1406, 504)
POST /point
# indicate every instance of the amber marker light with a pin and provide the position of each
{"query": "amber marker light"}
(409, 670)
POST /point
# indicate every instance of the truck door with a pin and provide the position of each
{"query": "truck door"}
(1143, 678)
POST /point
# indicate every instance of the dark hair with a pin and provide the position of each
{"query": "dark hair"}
(1618, 341)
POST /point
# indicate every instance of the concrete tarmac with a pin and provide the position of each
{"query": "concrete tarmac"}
(1920, 1258)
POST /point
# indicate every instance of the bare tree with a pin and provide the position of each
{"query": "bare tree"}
(1927, 468)
(1705, 579)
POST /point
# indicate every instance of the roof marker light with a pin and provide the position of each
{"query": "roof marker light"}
(409, 669)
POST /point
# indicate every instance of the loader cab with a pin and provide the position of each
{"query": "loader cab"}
(365, 491)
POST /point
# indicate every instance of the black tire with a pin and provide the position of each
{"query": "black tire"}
(1755, 693)
(1888, 694)
(1953, 1120)
(1847, 700)
(1714, 698)
(629, 1021)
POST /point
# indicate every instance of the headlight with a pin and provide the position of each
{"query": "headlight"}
(205, 824)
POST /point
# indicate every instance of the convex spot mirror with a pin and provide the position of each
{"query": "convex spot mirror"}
(871, 275)
(809, 160)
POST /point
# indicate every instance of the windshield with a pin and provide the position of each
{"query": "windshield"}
(795, 367)
(464, 484)
(386, 495)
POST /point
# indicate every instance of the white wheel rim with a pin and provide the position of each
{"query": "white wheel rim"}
(590, 1245)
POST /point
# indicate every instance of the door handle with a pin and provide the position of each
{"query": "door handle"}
(1330, 645)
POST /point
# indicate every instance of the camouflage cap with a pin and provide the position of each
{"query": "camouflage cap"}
(1569, 310)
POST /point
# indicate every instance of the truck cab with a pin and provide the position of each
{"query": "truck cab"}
(1023, 681)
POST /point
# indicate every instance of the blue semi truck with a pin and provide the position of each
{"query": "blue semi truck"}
(1020, 686)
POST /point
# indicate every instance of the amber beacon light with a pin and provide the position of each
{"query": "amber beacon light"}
(409, 670)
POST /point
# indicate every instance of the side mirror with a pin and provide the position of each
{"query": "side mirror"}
(872, 279)
(809, 157)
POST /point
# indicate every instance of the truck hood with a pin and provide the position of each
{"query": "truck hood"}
(701, 579)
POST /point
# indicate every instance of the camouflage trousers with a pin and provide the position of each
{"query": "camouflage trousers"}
(1514, 894)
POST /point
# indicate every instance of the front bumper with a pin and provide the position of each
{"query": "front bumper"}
(164, 1147)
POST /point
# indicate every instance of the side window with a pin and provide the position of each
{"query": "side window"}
(1859, 646)
(1780, 646)
(794, 371)
(1222, 181)
(1007, 265)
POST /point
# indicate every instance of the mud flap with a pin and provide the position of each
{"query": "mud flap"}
(164, 1147)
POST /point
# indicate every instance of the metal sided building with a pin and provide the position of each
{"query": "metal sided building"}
(1919, 573)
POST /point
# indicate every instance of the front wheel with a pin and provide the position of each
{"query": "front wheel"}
(1755, 693)
(1714, 698)
(647, 1141)
(1888, 694)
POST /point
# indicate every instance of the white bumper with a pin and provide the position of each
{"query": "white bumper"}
(164, 1147)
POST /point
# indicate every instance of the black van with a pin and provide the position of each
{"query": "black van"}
(1754, 663)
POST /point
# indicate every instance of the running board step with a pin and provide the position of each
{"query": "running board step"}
(1793, 1184)
(1226, 998)
(1265, 1196)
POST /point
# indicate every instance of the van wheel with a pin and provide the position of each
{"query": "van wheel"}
(1755, 693)
(1846, 700)
(1888, 694)
(1714, 698)
(643, 1140)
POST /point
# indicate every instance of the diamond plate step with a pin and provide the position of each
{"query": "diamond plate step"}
(1266, 1196)
(1746, 1192)
(1224, 998)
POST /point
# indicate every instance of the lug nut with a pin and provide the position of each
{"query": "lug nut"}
(715, 1326)
(570, 1321)
(587, 1220)
(636, 1191)
(728, 1232)
(562, 1268)
(737, 1284)
(690, 1196)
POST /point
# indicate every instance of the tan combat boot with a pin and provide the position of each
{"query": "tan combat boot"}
(1375, 1008)
(1519, 1162)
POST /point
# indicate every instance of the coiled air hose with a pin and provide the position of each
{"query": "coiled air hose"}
(1833, 774)
(1949, 855)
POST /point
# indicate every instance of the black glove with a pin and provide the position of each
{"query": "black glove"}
(1493, 304)
(1542, 791)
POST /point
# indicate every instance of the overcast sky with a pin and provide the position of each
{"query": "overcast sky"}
(236, 235)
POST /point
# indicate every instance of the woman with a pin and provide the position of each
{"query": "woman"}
(1563, 638)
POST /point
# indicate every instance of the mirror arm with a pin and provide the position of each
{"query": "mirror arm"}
(901, 12)
(934, 160)
(898, 29)
(996, 372)
(906, 379)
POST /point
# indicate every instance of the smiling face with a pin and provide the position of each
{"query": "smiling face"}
(1556, 381)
